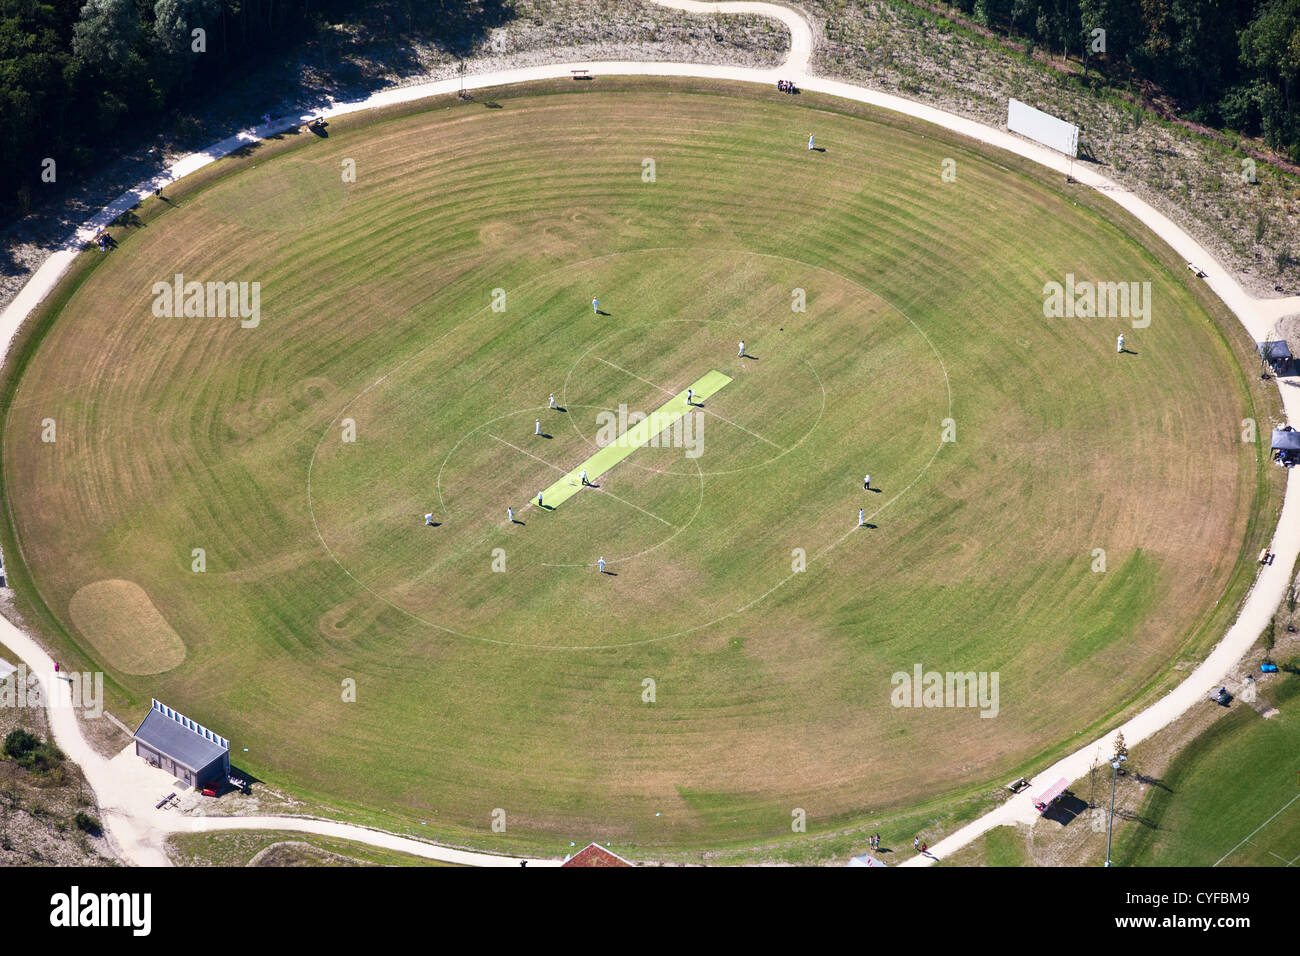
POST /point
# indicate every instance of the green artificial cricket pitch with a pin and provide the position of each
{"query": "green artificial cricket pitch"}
(637, 436)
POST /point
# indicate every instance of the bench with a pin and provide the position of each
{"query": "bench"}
(1015, 786)
(164, 801)
(1200, 274)
(580, 74)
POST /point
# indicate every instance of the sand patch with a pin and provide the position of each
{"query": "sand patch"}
(121, 622)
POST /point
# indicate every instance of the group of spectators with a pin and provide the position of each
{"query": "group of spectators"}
(786, 86)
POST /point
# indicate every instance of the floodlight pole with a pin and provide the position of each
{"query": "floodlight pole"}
(1110, 826)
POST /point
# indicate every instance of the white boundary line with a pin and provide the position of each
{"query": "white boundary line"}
(1256, 830)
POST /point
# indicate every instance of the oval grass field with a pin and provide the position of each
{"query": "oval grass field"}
(414, 324)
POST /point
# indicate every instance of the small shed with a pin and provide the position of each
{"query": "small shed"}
(593, 854)
(184, 748)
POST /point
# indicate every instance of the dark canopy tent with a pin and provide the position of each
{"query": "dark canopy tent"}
(1286, 440)
(1274, 353)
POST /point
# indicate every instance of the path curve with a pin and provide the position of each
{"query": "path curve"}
(138, 830)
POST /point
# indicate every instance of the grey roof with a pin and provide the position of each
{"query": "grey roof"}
(187, 748)
(1287, 441)
(1274, 350)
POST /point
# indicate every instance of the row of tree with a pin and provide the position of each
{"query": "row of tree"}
(76, 76)
(1231, 64)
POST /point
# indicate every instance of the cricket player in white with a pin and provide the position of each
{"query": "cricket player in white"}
(511, 512)
(584, 477)
(1119, 344)
(810, 140)
(866, 483)
(601, 562)
(741, 353)
(861, 518)
(595, 306)
(537, 427)
(428, 519)
(552, 405)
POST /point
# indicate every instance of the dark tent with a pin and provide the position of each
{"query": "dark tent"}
(1277, 356)
(1286, 440)
(1274, 351)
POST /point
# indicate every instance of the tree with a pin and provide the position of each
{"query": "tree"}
(1121, 748)
(1270, 48)
(19, 743)
(1271, 44)
(1018, 9)
(106, 32)
(174, 21)
(1092, 16)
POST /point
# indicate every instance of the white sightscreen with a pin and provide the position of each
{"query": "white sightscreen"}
(1043, 128)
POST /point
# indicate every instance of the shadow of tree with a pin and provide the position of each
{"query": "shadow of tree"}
(1132, 816)
(128, 219)
(367, 50)
(1152, 782)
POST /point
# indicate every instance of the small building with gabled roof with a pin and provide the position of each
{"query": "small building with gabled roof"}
(184, 748)
(593, 854)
